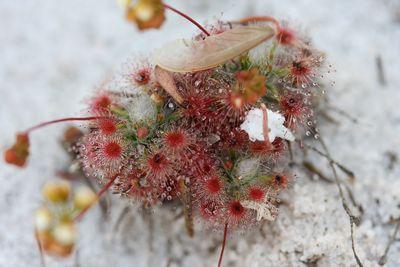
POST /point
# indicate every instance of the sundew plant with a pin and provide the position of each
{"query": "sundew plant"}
(207, 122)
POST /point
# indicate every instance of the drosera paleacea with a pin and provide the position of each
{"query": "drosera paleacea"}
(210, 129)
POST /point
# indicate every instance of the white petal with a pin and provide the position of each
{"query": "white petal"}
(276, 127)
(253, 126)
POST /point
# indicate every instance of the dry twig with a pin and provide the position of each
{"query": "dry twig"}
(313, 169)
(344, 169)
(125, 211)
(353, 219)
(380, 70)
(383, 259)
(39, 244)
(343, 113)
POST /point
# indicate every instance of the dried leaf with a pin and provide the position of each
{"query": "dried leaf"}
(165, 79)
(195, 55)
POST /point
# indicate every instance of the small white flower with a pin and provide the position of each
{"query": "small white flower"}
(253, 125)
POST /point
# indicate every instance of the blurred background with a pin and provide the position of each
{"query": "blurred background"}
(54, 53)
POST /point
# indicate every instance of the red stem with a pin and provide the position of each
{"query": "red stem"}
(43, 124)
(265, 123)
(261, 19)
(223, 245)
(99, 194)
(188, 18)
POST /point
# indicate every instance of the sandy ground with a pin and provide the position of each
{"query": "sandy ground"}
(53, 53)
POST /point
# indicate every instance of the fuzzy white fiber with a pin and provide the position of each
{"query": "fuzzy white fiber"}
(53, 53)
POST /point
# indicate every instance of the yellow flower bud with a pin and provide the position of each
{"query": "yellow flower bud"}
(84, 197)
(64, 234)
(124, 3)
(42, 219)
(56, 191)
(146, 14)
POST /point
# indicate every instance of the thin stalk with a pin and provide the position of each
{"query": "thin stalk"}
(353, 219)
(223, 245)
(40, 247)
(125, 211)
(265, 123)
(260, 19)
(346, 170)
(188, 209)
(44, 124)
(198, 25)
(311, 168)
(99, 195)
(383, 259)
